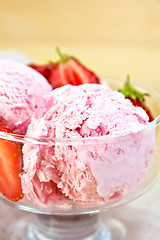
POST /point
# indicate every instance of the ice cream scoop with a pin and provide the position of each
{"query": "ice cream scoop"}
(21, 89)
(85, 161)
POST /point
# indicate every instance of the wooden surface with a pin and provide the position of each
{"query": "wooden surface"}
(113, 37)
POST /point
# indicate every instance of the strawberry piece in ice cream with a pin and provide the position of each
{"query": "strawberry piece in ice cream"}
(21, 89)
(92, 166)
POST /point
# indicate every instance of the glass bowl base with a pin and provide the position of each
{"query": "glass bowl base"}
(80, 227)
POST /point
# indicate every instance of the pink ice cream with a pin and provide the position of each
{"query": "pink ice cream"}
(21, 89)
(92, 166)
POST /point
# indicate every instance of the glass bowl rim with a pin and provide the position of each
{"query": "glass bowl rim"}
(116, 134)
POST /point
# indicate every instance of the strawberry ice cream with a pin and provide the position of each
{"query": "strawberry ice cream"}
(86, 162)
(21, 89)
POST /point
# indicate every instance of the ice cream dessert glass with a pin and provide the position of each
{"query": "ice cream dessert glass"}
(57, 216)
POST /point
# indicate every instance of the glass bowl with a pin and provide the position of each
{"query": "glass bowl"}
(134, 170)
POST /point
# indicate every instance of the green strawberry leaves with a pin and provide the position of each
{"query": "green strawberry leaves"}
(131, 92)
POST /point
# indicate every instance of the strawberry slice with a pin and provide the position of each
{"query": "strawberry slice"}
(45, 70)
(136, 97)
(70, 71)
(10, 160)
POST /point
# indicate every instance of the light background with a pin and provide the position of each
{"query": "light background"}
(114, 37)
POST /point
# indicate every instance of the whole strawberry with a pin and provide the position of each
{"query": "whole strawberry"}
(45, 70)
(136, 97)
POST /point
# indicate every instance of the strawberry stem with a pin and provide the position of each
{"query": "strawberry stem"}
(130, 91)
(63, 56)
